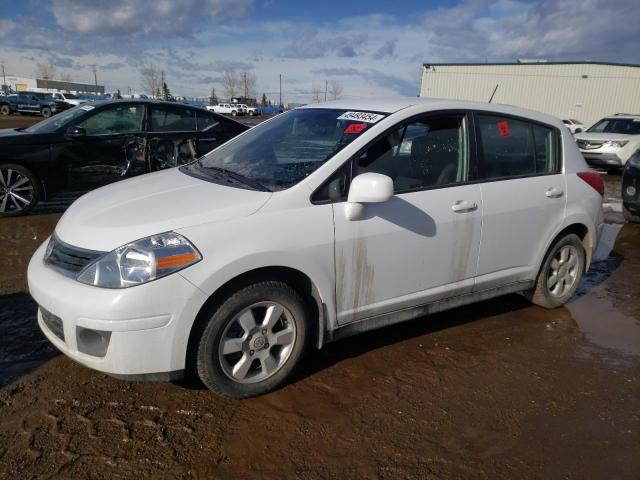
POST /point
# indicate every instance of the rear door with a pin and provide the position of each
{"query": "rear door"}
(523, 196)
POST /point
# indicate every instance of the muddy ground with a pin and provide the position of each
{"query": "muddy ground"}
(501, 389)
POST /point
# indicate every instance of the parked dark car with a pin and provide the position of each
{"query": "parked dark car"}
(37, 103)
(99, 143)
(631, 189)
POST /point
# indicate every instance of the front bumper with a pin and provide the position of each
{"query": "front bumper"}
(602, 159)
(147, 326)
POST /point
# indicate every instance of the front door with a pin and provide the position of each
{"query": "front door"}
(422, 245)
(104, 154)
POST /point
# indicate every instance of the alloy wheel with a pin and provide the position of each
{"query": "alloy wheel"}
(16, 191)
(563, 271)
(257, 342)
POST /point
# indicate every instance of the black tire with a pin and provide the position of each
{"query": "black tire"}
(5, 110)
(630, 217)
(8, 209)
(234, 113)
(208, 357)
(45, 112)
(540, 294)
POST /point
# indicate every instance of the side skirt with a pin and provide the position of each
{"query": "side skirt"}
(411, 313)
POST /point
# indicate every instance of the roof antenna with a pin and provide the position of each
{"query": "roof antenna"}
(494, 92)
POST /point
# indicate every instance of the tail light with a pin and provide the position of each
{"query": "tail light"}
(594, 180)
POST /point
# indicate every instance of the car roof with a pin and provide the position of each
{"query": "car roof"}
(393, 105)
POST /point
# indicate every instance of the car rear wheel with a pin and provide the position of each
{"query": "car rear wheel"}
(5, 110)
(252, 343)
(46, 112)
(19, 190)
(630, 217)
(560, 274)
(234, 113)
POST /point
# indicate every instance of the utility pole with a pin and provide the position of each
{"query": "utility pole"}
(280, 91)
(95, 78)
(246, 91)
(4, 78)
(325, 90)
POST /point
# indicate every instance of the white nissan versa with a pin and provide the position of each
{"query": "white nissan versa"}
(322, 222)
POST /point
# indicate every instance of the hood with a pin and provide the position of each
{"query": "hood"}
(602, 136)
(11, 132)
(159, 202)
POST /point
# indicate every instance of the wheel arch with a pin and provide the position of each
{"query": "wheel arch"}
(584, 234)
(295, 278)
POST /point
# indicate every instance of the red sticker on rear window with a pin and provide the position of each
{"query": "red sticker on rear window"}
(503, 129)
(355, 128)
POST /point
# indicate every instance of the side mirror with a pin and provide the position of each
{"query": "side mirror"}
(76, 132)
(367, 188)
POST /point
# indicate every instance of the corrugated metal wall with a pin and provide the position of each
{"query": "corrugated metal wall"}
(585, 91)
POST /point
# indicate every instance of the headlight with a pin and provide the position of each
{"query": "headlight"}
(617, 143)
(141, 261)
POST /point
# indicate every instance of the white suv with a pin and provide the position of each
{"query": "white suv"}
(320, 223)
(611, 142)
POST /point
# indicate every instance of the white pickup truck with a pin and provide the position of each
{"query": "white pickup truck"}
(227, 109)
(70, 98)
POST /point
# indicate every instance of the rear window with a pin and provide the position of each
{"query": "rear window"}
(172, 119)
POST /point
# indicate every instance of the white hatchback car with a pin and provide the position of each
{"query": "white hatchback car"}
(322, 222)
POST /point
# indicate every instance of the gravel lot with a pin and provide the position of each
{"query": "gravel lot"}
(500, 389)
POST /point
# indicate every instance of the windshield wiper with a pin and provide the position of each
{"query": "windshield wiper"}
(237, 177)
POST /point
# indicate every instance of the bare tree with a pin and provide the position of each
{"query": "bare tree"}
(65, 77)
(151, 79)
(230, 83)
(45, 71)
(316, 93)
(335, 90)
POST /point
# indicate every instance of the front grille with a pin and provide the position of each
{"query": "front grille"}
(590, 144)
(67, 259)
(53, 323)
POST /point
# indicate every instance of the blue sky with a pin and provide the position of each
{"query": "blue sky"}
(372, 48)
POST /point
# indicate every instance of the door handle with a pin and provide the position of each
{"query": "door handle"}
(462, 206)
(554, 192)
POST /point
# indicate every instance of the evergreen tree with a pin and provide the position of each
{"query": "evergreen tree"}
(263, 102)
(166, 93)
(213, 98)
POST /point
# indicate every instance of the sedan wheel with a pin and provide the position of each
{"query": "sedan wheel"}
(18, 191)
(5, 110)
(257, 342)
(563, 271)
(560, 273)
(251, 342)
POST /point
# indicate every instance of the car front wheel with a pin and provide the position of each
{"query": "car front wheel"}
(560, 274)
(5, 110)
(19, 190)
(46, 112)
(253, 341)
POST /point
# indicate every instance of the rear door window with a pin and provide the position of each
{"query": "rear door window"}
(166, 118)
(514, 148)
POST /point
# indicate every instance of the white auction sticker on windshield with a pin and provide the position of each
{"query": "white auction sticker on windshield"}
(87, 107)
(361, 117)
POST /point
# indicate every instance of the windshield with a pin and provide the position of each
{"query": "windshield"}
(69, 95)
(281, 152)
(628, 126)
(52, 124)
